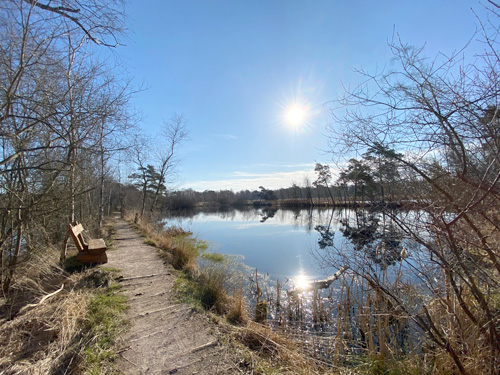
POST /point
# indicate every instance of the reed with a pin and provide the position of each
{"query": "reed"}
(237, 313)
(352, 326)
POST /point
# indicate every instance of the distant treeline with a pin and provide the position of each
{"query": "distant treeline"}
(374, 178)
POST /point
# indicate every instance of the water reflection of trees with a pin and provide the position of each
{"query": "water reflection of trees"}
(371, 232)
(267, 213)
(299, 218)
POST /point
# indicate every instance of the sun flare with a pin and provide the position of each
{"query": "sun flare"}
(296, 115)
(301, 282)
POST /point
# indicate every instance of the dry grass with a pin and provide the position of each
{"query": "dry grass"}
(36, 275)
(44, 321)
(237, 313)
(39, 335)
(45, 338)
(65, 332)
(268, 352)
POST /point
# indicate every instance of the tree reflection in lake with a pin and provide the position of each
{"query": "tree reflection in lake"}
(371, 231)
(268, 213)
(280, 241)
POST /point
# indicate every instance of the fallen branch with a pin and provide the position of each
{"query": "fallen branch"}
(45, 298)
(121, 279)
(204, 346)
(320, 284)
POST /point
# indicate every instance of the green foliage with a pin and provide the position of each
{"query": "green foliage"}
(148, 179)
(324, 175)
(214, 257)
(104, 323)
(266, 194)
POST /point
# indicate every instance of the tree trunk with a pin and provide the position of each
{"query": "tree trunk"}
(101, 190)
(12, 264)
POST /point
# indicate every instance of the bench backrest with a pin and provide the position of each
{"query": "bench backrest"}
(76, 233)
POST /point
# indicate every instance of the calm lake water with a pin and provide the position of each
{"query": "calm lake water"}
(280, 242)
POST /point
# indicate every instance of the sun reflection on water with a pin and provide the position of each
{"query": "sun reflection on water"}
(301, 281)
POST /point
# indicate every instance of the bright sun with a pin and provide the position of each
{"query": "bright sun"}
(296, 115)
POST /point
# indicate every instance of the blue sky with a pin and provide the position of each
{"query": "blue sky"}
(233, 68)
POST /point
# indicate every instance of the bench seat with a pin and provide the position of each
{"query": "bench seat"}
(91, 251)
(96, 246)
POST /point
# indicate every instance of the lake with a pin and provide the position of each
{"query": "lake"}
(280, 242)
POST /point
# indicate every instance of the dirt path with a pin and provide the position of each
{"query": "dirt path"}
(165, 337)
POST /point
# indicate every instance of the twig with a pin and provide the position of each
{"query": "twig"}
(43, 299)
(142, 277)
(146, 336)
(204, 346)
(128, 360)
(123, 349)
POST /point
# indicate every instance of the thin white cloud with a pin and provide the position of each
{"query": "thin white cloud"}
(278, 165)
(227, 136)
(274, 179)
(252, 181)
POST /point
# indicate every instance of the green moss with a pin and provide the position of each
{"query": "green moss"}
(150, 242)
(104, 323)
(110, 269)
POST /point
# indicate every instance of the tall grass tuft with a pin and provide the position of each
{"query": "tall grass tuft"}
(237, 313)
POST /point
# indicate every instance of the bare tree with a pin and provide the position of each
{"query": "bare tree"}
(54, 96)
(174, 132)
(437, 122)
(139, 155)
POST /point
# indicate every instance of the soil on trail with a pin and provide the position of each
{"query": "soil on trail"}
(165, 336)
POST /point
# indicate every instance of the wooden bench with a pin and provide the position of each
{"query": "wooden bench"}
(90, 251)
